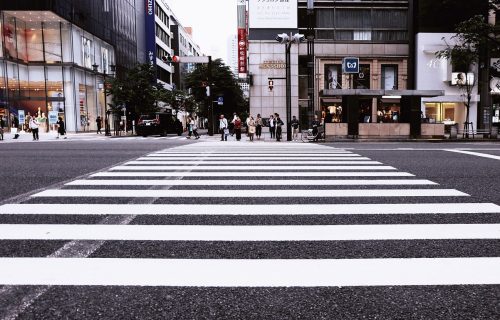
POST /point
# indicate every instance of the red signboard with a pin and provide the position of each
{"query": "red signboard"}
(242, 50)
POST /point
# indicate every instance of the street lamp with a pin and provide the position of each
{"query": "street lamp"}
(288, 40)
(112, 67)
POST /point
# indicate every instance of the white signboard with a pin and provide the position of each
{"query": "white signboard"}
(265, 14)
(53, 117)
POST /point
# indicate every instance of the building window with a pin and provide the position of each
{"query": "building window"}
(362, 35)
(333, 76)
(389, 77)
(388, 112)
(441, 112)
(361, 80)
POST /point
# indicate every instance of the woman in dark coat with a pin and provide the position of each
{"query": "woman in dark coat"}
(61, 129)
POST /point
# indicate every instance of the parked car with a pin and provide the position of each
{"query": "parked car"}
(158, 123)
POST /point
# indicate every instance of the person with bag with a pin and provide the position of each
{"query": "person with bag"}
(2, 125)
(315, 127)
(194, 128)
(223, 128)
(279, 124)
(272, 129)
(258, 126)
(251, 128)
(295, 128)
(98, 122)
(61, 128)
(34, 125)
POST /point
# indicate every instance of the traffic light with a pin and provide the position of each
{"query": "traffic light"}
(270, 84)
(207, 88)
(169, 59)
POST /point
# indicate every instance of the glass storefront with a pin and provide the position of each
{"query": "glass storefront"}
(443, 112)
(46, 69)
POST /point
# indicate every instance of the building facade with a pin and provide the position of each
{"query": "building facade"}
(56, 55)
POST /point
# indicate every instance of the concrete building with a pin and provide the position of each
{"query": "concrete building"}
(232, 54)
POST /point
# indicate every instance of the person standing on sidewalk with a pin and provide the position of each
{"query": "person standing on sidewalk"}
(223, 129)
(194, 128)
(98, 122)
(278, 125)
(2, 125)
(272, 126)
(258, 126)
(295, 128)
(34, 125)
(237, 128)
(61, 128)
(251, 128)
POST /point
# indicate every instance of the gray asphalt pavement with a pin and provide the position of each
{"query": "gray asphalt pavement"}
(35, 175)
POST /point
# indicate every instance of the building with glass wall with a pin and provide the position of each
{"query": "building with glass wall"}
(55, 57)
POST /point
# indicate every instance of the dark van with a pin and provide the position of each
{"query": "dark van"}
(158, 123)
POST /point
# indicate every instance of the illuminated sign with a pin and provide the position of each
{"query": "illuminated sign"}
(265, 14)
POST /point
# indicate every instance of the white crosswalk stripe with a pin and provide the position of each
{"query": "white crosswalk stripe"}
(211, 180)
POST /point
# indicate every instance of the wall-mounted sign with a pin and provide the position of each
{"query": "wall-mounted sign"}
(495, 85)
(53, 117)
(150, 32)
(350, 65)
(242, 50)
(265, 14)
(458, 78)
(273, 64)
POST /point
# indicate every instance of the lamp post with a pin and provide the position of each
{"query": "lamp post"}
(288, 40)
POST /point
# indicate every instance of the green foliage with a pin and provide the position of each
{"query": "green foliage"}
(222, 84)
(180, 101)
(137, 89)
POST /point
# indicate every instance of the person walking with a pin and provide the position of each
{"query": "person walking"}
(237, 128)
(315, 127)
(34, 125)
(61, 128)
(189, 127)
(98, 122)
(272, 126)
(278, 125)
(223, 128)
(251, 128)
(231, 124)
(258, 126)
(194, 128)
(295, 128)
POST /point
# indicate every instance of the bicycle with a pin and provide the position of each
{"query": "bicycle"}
(308, 136)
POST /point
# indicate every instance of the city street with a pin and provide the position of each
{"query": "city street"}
(171, 228)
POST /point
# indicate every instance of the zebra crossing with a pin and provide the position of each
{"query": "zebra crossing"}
(212, 192)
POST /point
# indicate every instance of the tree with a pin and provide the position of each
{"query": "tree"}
(179, 100)
(138, 90)
(222, 84)
(471, 39)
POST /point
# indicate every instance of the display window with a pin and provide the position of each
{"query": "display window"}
(365, 111)
(388, 112)
(333, 76)
(442, 112)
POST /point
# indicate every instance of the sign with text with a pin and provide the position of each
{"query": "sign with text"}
(350, 65)
(150, 31)
(266, 14)
(21, 116)
(52, 117)
(242, 50)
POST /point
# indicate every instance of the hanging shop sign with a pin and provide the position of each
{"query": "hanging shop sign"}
(242, 50)
(150, 32)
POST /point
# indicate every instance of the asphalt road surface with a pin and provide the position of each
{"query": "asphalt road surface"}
(177, 229)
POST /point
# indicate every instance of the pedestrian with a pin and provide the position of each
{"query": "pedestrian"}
(15, 128)
(189, 127)
(194, 128)
(237, 128)
(315, 127)
(258, 126)
(295, 128)
(34, 125)
(98, 122)
(2, 125)
(278, 125)
(271, 126)
(61, 128)
(223, 128)
(251, 128)
(231, 124)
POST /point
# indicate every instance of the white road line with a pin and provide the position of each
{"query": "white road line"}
(248, 233)
(226, 174)
(252, 210)
(251, 157)
(253, 162)
(250, 272)
(484, 155)
(254, 167)
(244, 182)
(250, 153)
(390, 193)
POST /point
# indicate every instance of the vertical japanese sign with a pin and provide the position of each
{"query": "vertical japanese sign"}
(150, 32)
(242, 36)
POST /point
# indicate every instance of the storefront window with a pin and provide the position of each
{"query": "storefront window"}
(34, 42)
(388, 112)
(389, 77)
(333, 76)
(365, 111)
(52, 42)
(332, 113)
(442, 112)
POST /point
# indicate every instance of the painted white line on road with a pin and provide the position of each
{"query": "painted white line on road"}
(307, 193)
(254, 167)
(249, 273)
(245, 182)
(251, 157)
(250, 210)
(477, 154)
(248, 233)
(202, 161)
(227, 174)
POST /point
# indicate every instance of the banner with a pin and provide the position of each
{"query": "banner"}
(273, 14)
(150, 32)
(242, 50)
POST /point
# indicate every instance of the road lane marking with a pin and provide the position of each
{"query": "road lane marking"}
(477, 154)
(254, 167)
(250, 272)
(249, 157)
(307, 193)
(203, 162)
(250, 210)
(227, 174)
(245, 182)
(248, 233)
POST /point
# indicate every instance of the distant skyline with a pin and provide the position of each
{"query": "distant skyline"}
(212, 22)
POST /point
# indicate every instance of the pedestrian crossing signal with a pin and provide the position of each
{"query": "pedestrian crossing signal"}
(270, 84)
